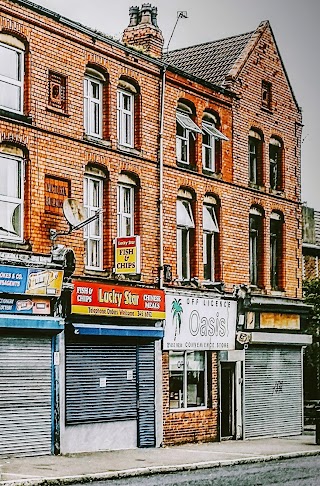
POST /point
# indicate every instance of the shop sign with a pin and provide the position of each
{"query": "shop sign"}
(32, 281)
(56, 190)
(32, 305)
(127, 255)
(201, 323)
(98, 299)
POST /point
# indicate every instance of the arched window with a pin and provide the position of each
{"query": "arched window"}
(211, 143)
(256, 245)
(275, 160)
(126, 96)
(93, 201)
(186, 131)
(12, 52)
(93, 102)
(126, 205)
(185, 225)
(276, 250)
(210, 239)
(255, 158)
(11, 193)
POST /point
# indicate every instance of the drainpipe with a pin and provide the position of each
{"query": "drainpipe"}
(163, 86)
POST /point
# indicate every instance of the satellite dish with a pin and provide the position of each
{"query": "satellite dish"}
(73, 212)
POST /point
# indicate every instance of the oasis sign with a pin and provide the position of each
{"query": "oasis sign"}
(98, 299)
(201, 323)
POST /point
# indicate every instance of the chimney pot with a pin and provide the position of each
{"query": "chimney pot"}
(145, 13)
(134, 16)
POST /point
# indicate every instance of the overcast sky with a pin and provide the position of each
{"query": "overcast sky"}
(295, 24)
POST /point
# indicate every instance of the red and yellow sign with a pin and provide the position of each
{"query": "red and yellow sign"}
(98, 299)
(127, 255)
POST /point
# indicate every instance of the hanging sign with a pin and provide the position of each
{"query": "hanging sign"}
(94, 298)
(32, 281)
(127, 255)
(199, 323)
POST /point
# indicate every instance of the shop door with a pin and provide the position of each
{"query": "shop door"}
(273, 391)
(25, 396)
(227, 401)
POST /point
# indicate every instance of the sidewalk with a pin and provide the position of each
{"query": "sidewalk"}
(114, 464)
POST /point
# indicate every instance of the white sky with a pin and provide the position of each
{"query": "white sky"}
(295, 24)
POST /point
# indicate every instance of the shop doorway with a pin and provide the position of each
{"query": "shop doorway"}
(227, 401)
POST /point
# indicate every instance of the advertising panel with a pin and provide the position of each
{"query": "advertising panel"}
(17, 305)
(94, 298)
(201, 323)
(127, 255)
(32, 281)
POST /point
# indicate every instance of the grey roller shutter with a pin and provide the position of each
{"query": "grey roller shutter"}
(146, 387)
(273, 391)
(100, 382)
(25, 396)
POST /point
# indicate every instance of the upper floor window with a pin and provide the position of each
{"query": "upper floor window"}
(185, 134)
(11, 73)
(210, 236)
(126, 97)
(275, 159)
(276, 250)
(255, 158)
(266, 94)
(93, 102)
(126, 205)
(93, 232)
(211, 138)
(185, 225)
(255, 245)
(11, 194)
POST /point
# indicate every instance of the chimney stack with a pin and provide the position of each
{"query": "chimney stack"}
(143, 31)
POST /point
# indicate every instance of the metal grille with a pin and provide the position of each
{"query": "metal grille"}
(25, 396)
(146, 417)
(100, 382)
(273, 391)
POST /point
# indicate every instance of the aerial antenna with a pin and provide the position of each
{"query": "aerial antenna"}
(181, 14)
(75, 215)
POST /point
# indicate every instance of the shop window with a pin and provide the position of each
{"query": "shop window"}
(276, 250)
(266, 95)
(11, 73)
(188, 381)
(93, 102)
(255, 158)
(185, 226)
(11, 194)
(211, 143)
(275, 159)
(126, 206)
(186, 131)
(93, 232)
(210, 241)
(256, 246)
(57, 91)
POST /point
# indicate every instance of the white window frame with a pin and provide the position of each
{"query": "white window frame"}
(18, 82)
(93, 232)
(91, 104)
(5, 199)
(214, 134)
(185, 223)
(181, 405)
(189, 129)
(124, 216)
(125, 130)
(210, 228)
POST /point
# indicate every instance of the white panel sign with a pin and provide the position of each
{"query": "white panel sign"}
(200, 323)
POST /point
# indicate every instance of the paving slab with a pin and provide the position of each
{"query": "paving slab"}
(83, 467)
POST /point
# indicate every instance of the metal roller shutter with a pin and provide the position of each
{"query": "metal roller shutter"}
(273, 391)
(146, 418)
(25, 396)
(100, 382)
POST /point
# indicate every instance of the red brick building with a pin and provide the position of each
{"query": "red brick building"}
(190, 175)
